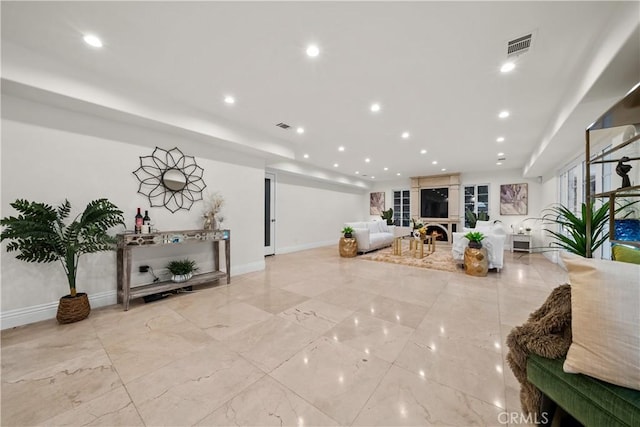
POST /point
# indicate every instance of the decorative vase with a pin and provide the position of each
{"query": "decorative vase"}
(179, 278)
(475, 245)
(73, 309)
(348, 235)
(209, 222)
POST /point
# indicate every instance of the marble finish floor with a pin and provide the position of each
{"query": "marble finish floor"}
(315, 339)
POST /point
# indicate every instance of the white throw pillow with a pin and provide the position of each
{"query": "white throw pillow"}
(374, 226)
(484, 224)
(498, 230)
(605, 306)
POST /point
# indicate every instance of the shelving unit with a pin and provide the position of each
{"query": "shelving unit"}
(625, 112)
(127, 243)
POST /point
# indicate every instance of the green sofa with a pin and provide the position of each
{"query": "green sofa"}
(590, 401)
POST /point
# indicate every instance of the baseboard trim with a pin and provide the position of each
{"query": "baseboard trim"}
(247, 268)
(306, 246)
(46, 311)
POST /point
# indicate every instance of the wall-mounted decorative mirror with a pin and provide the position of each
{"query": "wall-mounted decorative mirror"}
(174, 179)
(170, 179)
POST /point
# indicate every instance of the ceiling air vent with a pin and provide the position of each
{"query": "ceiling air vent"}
(519, 45)
(283, 125)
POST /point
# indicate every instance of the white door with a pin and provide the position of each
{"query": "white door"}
(269, 214)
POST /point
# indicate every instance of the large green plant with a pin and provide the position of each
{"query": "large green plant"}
(388, 216)
(39, 233)
(575, 239)
(472, 218)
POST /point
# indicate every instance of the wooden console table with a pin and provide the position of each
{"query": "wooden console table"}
(128, 242)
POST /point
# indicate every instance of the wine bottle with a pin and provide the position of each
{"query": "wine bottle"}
(138, 228)
(146, 223)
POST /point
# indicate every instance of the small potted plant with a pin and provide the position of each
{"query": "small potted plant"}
(348, 232)
(181, 270)
(475, 239)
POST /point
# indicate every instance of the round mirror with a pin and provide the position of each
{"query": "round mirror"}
(174, 179)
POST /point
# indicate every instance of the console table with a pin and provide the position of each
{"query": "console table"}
(129, 242)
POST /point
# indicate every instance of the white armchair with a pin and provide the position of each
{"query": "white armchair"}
(495, 237)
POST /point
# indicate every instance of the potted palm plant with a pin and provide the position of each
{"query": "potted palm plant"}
(574, 238)
(475, 239)
(39, 234)
(182, 270)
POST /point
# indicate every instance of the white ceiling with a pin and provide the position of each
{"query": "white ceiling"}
(433, 66)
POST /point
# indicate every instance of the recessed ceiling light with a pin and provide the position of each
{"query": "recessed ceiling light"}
(375, 107)
(313, 50)
(300, 130)
(386, 169)
(498, 163)
(405, 135)
(335, 165)
(500, 154)
(306, 156)
(229, 99)
(503, 114)
(357, 172)
(92, 40)
(373, 177)
(500, 139)
(435, 162)
(507, 66)
(367, 160)
(341, 148)
(423, 151)
(398, 174)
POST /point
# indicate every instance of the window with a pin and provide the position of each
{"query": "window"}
(572, 189)
(476, 200)
(401, 210)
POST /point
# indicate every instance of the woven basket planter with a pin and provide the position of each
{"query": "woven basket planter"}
(73, 309)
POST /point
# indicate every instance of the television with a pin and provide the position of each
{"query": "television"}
(434, 202)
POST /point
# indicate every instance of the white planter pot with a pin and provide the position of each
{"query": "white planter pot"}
(178, 278)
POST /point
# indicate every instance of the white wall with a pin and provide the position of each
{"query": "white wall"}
(549, 197)
(43, 161)
(311, 213)
(506, 176)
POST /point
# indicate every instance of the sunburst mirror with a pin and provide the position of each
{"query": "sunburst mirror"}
(170, 179)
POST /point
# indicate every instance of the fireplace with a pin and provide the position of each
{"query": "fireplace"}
(440, 231)
(435, 201)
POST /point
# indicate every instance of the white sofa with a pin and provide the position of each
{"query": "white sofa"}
(495, 238)
(372, 235)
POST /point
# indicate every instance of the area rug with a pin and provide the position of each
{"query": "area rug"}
(441, 259)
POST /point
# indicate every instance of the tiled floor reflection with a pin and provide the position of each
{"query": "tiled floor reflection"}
(334, 342)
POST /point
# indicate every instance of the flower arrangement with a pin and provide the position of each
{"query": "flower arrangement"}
(211, 215)
(416, 224)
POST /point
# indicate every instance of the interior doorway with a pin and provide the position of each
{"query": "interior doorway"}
(269, 214)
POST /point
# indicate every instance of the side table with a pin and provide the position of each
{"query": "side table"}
(348, 247)
(521, 242)
(476, 262)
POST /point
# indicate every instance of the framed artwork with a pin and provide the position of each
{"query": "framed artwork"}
(376, 203)
(514, 199)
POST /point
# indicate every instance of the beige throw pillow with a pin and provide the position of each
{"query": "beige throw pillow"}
(605, 310)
